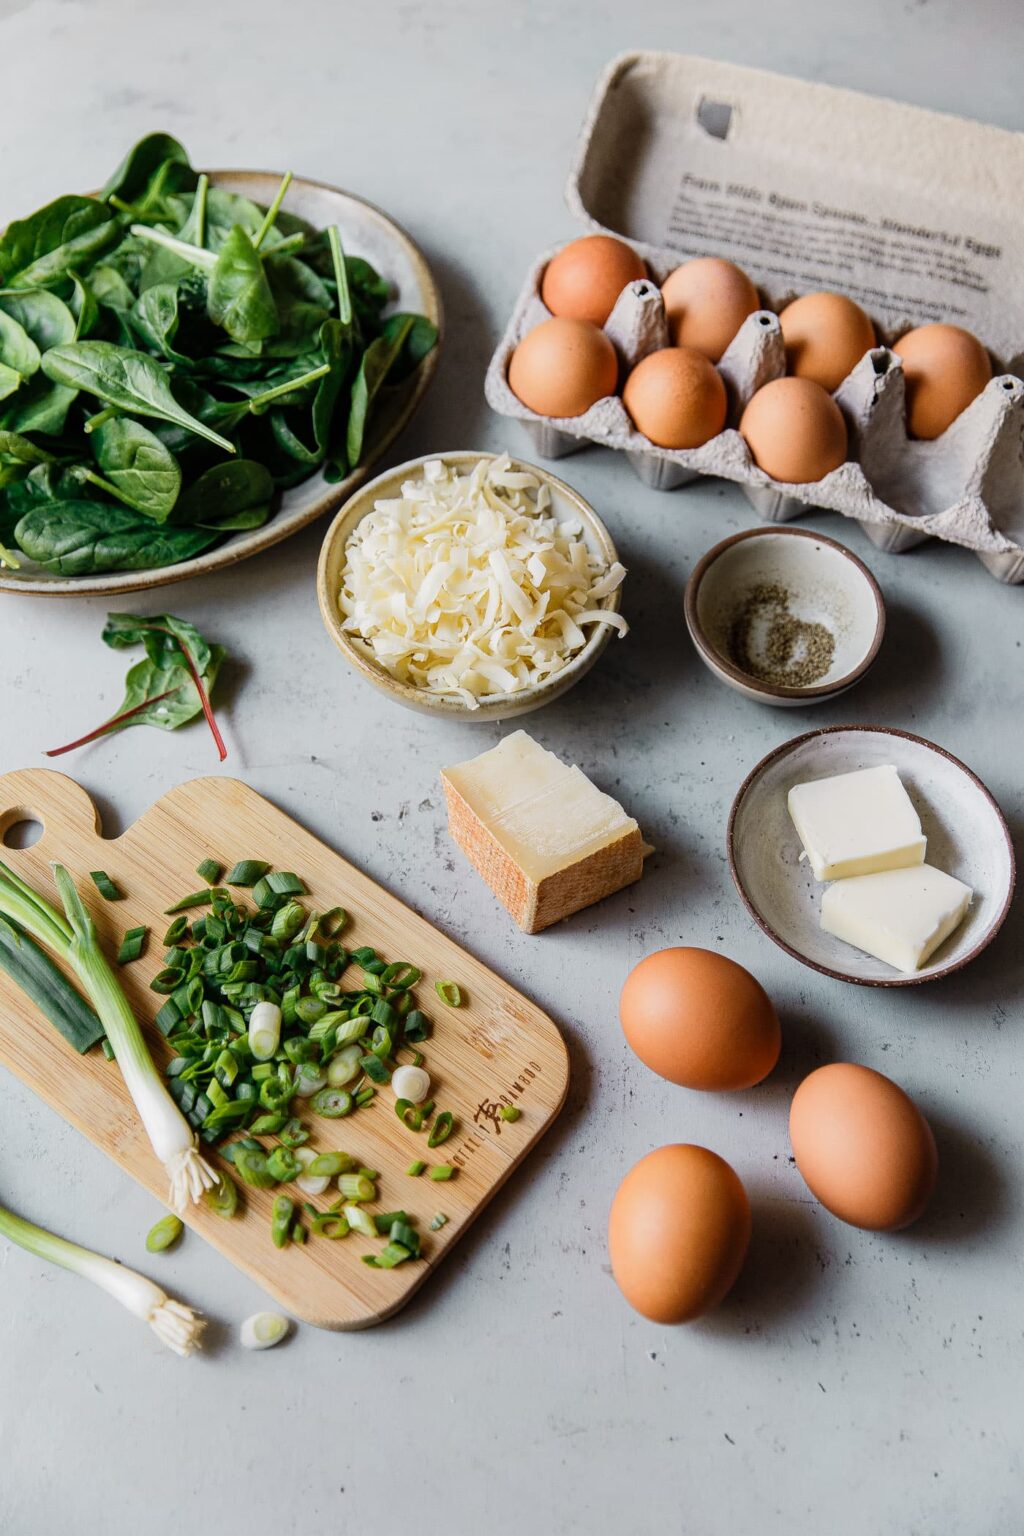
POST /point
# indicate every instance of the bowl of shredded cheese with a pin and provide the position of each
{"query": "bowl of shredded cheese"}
(470, 584)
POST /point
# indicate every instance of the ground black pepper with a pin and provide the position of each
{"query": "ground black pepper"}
(772, 645)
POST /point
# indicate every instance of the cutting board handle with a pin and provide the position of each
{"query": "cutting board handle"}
(43, 795)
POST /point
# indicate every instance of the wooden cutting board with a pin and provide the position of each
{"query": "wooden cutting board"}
(498, 1047)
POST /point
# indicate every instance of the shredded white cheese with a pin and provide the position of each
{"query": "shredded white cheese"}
(468, 584)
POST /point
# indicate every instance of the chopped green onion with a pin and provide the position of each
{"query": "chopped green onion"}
(392, 1255)
(417, 1027)
(356, 1186)
(223, 1197)
(333, 1103)
(294, 1134)
(164, 1234)
(282, 1212)
(298, 1233)
(330, 1163)
(174, 1324)
(132, 945)
(252, 1168)
(510, 1113)
(448, 992)
(106, 887)
(359, 1220)
(333, 922)
(375, 1069)
(268, 1125)
(440, 1172)
(283, 1164)
(365, 1096)
(330, 1224)
(415, 1169)
(247, 872)
(385, 1220)
(196, 899)
(369, 1173)
(263, 1330)
(176, 930)
(439, 1221)
(210, 871)
(107, 1049)
(441, 1129)
(401, 975)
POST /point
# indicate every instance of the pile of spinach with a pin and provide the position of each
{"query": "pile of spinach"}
(172, 356)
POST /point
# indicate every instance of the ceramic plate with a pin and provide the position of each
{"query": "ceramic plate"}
(967, 837)
(366, 232)
(567, 504)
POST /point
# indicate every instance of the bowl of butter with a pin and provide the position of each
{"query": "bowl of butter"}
(871, 855)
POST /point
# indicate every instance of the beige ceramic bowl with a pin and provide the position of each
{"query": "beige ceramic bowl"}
(366, 232)
(826, 584)
(567, 503)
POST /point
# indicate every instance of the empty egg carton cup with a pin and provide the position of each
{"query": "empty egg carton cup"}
(965, 487)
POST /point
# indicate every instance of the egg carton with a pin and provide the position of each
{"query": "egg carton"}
(965, 487)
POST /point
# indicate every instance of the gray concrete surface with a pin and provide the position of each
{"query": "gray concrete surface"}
(852, 1383)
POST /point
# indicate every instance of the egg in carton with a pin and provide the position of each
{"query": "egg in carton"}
(965, 487)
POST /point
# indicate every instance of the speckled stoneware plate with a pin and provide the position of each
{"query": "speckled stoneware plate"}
(826, 586)
(366, 232)
(967, 837)
(567, 503)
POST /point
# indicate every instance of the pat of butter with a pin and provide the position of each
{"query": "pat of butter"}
(900, 916)
(857, 823)
(545, 839)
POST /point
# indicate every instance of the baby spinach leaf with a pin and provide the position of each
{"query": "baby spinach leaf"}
(41, 314)
(71, 232)
(240, 522)
(13, 445)
(377, 361)
(87, 538)
(420, 340)
(224, 490)
(84, 308)
(240, 299)
(10, 381)
(110, 288)
(136, 464)
(39, 407)
(142, 163)
(131, 381)
(18, 351)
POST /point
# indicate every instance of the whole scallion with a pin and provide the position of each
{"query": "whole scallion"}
(72, 938)
(174, 1324)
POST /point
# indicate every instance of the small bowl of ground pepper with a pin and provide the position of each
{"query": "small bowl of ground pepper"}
(784, 616)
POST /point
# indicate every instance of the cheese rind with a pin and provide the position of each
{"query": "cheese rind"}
(900, 916)
(545, 839)
(857, 823)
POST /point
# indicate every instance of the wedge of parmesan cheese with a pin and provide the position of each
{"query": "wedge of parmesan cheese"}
(544, 838)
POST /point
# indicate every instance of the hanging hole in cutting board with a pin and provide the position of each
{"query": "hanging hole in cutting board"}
(21, 829)
(714, 117)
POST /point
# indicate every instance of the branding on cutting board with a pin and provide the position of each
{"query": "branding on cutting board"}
(487, 1117)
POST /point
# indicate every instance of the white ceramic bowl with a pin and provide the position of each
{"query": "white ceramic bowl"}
(826, 584)
(567, 503)
(967, 837)
(367, 232)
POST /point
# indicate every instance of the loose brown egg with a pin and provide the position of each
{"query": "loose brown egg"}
(706, 302)
(826, 335)
(863, 1147)
(944, 368)
(678, 1233)
(676, 398)
(585, 279)
(562, 366)
(795, 431)
(700, 1020)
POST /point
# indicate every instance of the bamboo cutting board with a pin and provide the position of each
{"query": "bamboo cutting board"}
(497, 1048)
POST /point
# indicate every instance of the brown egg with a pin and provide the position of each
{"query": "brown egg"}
(826, 335)
(700, 1020)
(706, 301)
(795, 431)
(678, 1233)
(562, 366)
(676, 398)
(863, 1147)
(585, 279)
(944, 368)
